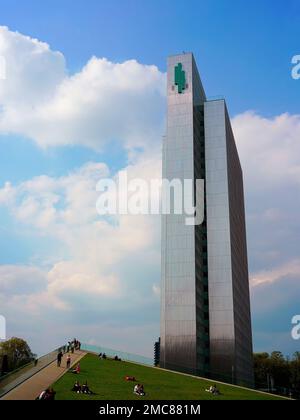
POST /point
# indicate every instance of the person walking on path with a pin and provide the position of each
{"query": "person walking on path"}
(59, 358)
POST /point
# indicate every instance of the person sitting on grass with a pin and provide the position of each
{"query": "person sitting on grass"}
(76, 387)
(139, 390)
(42, 394)
(77, 369)
(48, 394)
(130, 378)
(85, 389)
(213, 390)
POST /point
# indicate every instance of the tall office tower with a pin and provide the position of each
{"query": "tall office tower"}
(205, 305)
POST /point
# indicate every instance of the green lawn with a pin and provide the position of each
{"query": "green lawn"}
(106, 379)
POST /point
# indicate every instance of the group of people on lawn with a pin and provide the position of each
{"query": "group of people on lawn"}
(81, 389)
(49, 393)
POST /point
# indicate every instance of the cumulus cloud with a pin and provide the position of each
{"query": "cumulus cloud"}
(269, 149)
(103, 102)
(275, 300)
(109, 270)
(99, 284)
(64, 208)
(33, 72)
(21, 280)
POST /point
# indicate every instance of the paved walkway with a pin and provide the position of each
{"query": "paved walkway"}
(33, 386)
(15, 378)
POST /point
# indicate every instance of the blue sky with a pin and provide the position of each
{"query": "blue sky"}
(243, 50)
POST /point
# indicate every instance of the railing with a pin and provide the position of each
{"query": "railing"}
(130, 357)
(215, 98)
(20, 375)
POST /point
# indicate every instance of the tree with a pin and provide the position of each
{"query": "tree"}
(295, 374)
(275, 371)
(262, 367)
(17, 351)
(280, 370)
(4, 365)
(296, 356)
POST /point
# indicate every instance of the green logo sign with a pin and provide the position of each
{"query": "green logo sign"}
(179, 78)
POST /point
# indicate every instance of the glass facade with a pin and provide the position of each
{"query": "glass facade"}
(205, 310)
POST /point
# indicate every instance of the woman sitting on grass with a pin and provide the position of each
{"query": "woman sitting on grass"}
(77, 369)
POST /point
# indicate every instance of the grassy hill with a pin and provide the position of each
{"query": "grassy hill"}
(106, 379)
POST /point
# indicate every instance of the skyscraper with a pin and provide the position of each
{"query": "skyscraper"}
(205, 305)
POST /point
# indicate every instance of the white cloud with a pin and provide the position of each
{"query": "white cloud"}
(279, 273)
(79, 277)
(103, 288)
(33, 72)
(46, 202)
(6, 194)
(107, 267)
(156, 289)
(21, 280)
(64, 208)
(269, 149)
(103, 102)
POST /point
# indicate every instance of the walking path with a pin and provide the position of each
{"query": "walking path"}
(33, 386)
(15, 378)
